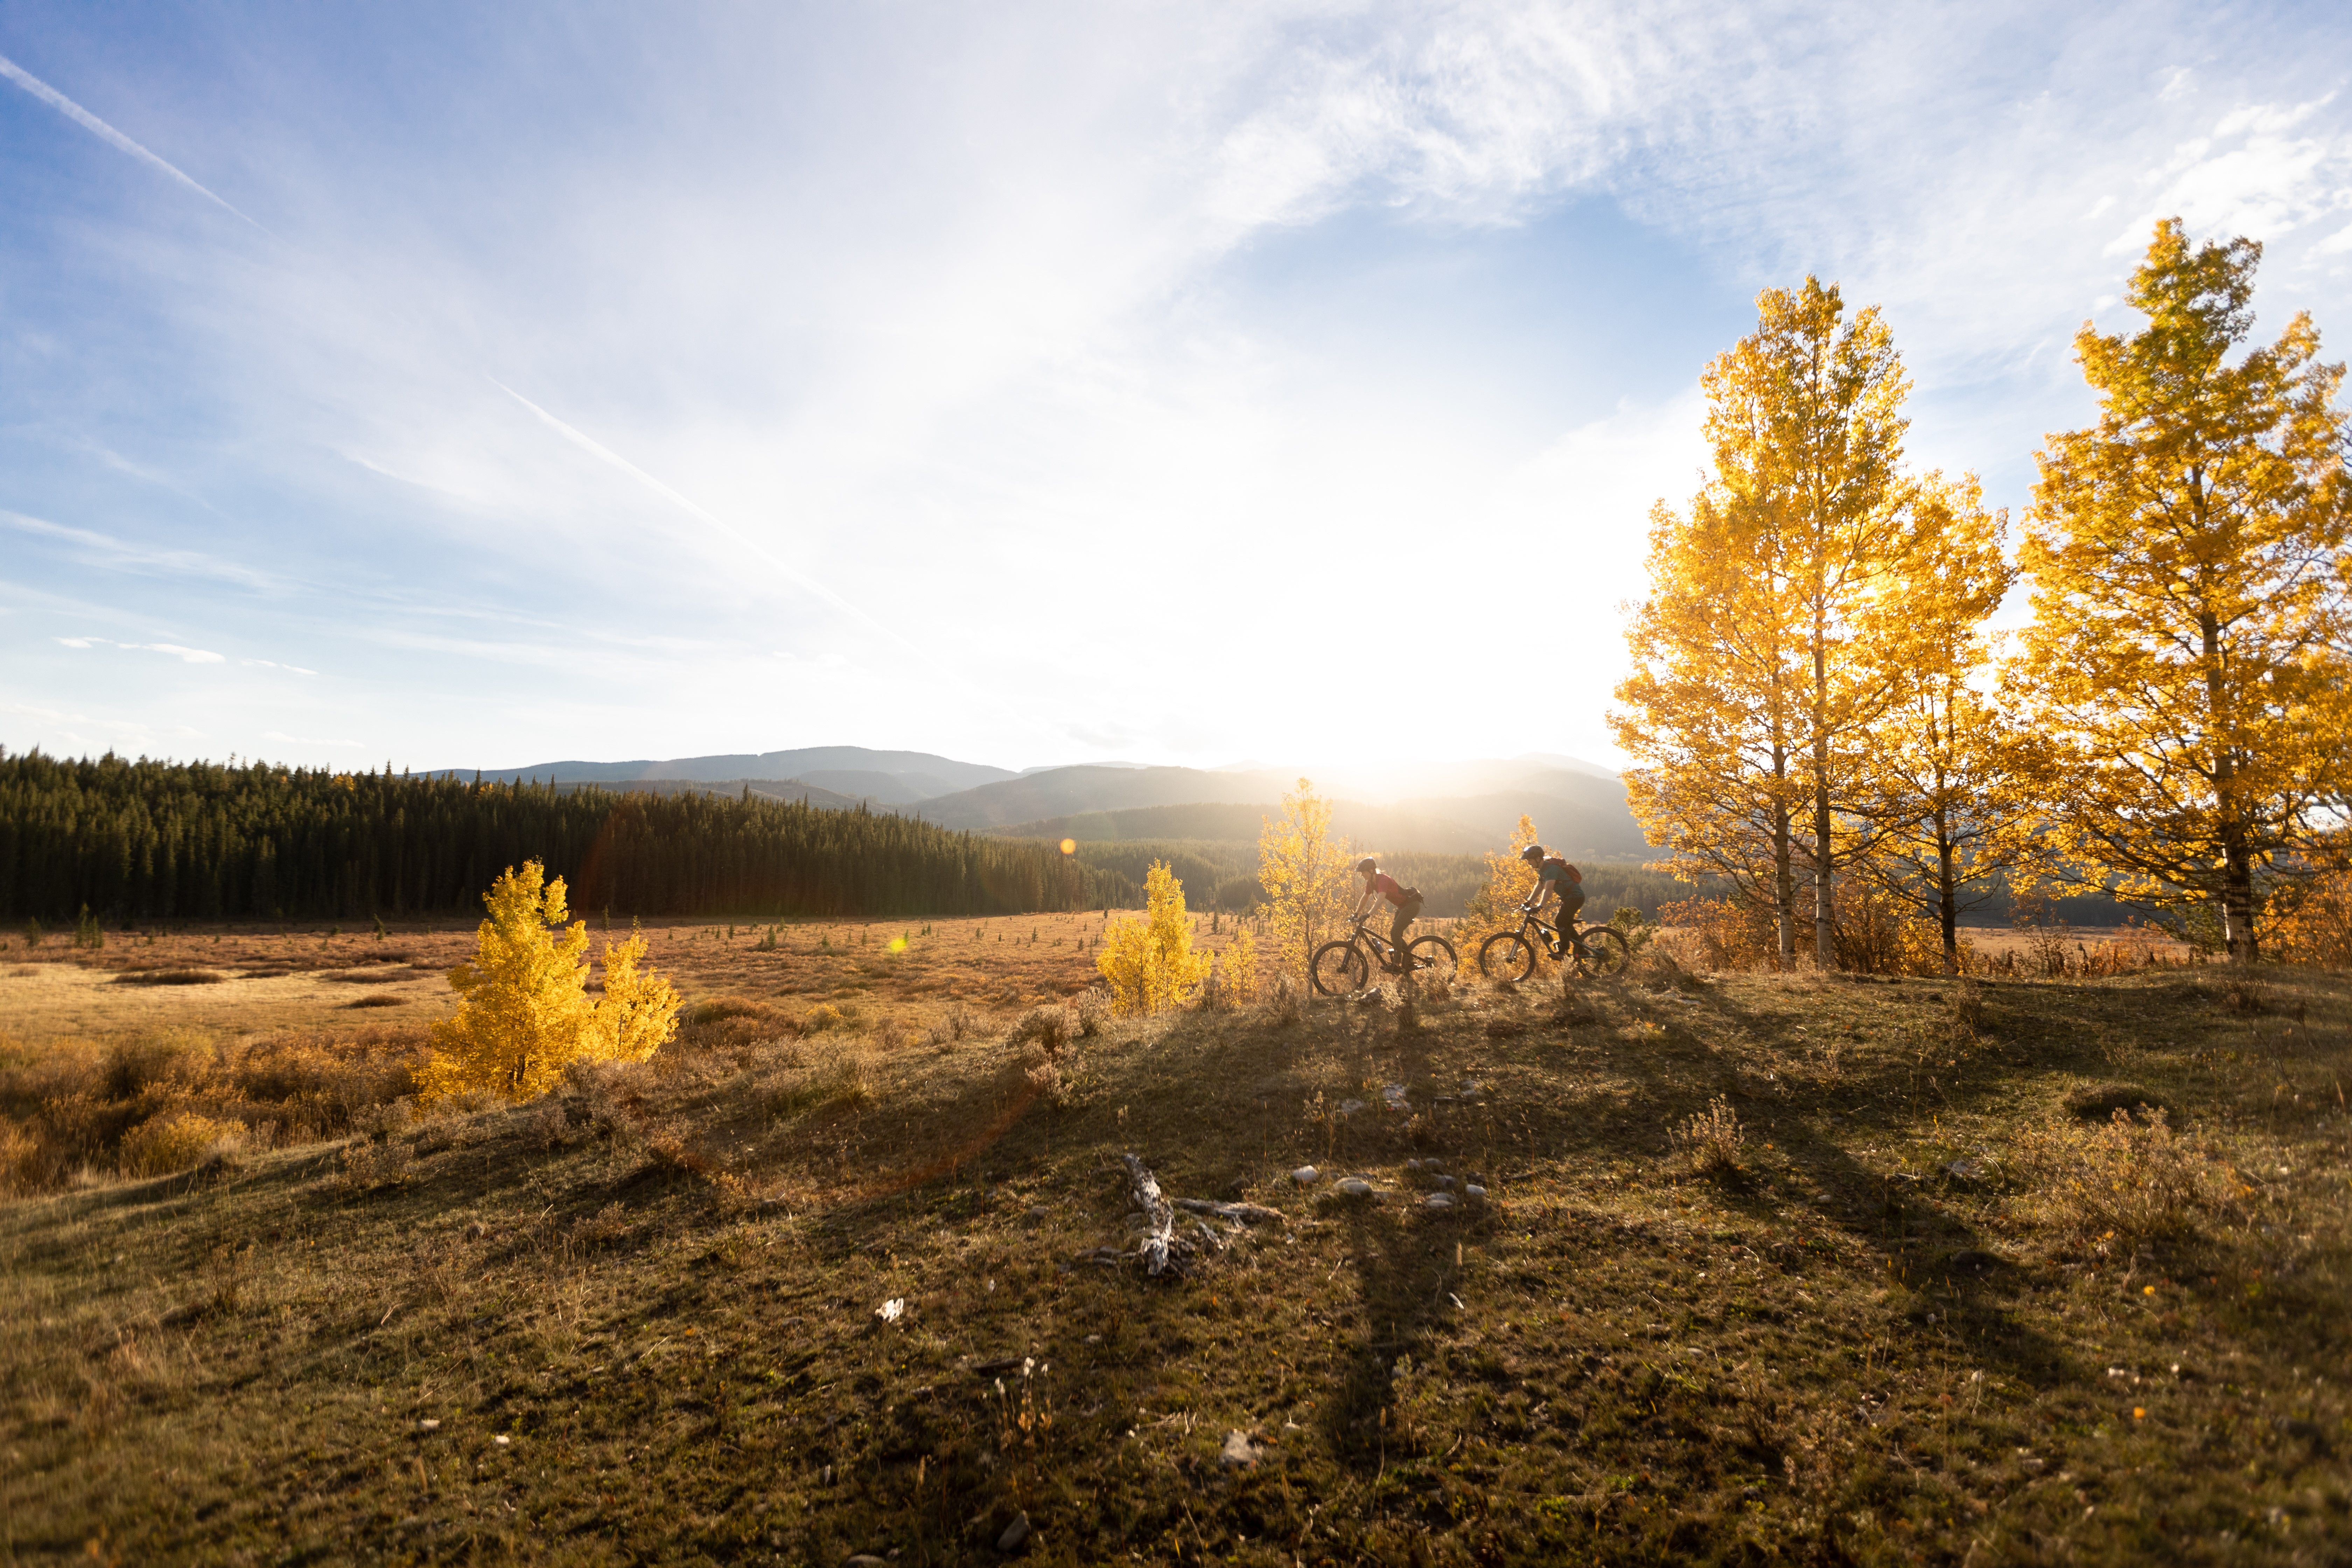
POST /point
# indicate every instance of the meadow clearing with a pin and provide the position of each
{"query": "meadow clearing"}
(1766, 1267)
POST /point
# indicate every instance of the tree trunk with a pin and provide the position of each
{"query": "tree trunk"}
(1824, 909)
(1946, 892)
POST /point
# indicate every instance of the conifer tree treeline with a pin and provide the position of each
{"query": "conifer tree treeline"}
(150, 840)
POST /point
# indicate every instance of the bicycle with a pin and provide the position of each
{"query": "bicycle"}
(1592, 950)
(1339, 968)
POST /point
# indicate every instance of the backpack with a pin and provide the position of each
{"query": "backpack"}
(1569, 876)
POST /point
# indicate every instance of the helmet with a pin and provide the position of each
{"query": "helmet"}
(1532, 853)
(1368, 865)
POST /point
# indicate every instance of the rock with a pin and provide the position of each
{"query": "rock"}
(1966, 1170)
(1307, 1175)
(1446, 1182)
(1432, 1164)
(1439, 1200)
(1353, 1187)
(1239, 1452)
(891, 1310)
(865, 1559)
(429, 1425)
(1015, 1533)
(1039, 1211)
(1413, 1165)
(1474, 1191)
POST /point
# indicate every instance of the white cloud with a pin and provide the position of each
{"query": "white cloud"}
(183, 654)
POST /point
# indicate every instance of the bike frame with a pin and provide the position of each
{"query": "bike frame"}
(1382, 948)
(1575, 933)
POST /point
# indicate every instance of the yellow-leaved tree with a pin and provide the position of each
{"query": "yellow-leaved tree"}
(1304, 871)
(1150, 962)
(2192, 604)
(1954, 788)
(524, 1014)
(1767, 648)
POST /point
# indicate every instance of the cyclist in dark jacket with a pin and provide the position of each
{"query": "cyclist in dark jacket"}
(1405, 901)
(1554, 874)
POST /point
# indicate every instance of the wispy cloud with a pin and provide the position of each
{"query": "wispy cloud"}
(273, 664)
(184, 654)
(104, 549)
(107, 134)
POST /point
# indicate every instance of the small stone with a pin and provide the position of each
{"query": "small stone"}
(428, 1425)
(1015, 1533)
(1307, 1175)
(891, 1310)
(1413, 1165)
(1446, 1182)
(1432, 1164)
(1239, 1452)
(1439, 1200)
(1353, 1187)
(865, 1559)
(1039, 1211)
(1474, 1191)
(501, 1439)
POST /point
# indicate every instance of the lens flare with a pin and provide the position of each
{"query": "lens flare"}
(1069, 845)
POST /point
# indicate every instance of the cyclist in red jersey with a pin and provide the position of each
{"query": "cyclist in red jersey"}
(1405, 901)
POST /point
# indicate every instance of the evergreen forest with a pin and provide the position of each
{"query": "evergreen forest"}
(144, 840)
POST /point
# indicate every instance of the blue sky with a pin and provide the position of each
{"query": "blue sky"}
(470, 385)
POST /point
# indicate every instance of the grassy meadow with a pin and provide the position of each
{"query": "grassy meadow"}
(1765, 1269)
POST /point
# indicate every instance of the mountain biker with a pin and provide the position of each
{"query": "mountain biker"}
(1406, 901)
(1555, 874)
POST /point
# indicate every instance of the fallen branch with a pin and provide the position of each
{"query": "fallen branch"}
(1248, 1213)
(1159, 1220)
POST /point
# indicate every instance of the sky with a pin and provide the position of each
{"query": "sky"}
(460, 386)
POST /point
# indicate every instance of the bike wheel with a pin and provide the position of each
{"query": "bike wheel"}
(1506, 955)
(1605, 951)
(1433, 956)
(1339, 969)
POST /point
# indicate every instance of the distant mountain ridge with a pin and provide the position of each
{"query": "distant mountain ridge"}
(1442, 807)
(944, 773)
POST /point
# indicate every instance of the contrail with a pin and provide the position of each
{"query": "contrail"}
(103, 132)
(597, 449)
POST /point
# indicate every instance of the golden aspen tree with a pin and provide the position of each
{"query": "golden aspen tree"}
(523, 1015)
(1150, 962)
(1954, 788)
(1304, 871)
(1831, 394)
(2188, 654)
(637, 1014)
(1712, 711)
(1763, 655)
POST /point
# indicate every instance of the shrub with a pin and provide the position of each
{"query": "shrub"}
(2129, 1176)
(367, 1166)
(169, 977)
(1711, 1139)
(823, 1016)
(1094, 1012)
(1724, 933)
(524, 1015)
(1051, 1027)
(1150, 964)
(176, 1141)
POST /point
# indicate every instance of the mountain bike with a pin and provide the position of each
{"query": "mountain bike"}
(1341, 968)
(1592, 950)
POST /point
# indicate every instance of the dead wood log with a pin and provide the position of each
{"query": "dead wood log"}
(1248, 1213)
(1159, 1219)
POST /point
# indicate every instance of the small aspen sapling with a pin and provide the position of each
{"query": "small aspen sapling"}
(523, 1014)
(1150, 962)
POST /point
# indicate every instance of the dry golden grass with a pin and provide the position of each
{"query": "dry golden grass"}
(1899, 1335)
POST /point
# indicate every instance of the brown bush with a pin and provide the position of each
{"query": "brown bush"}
(1711, 1139)
(1052, 1027)
(2130, 1177)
